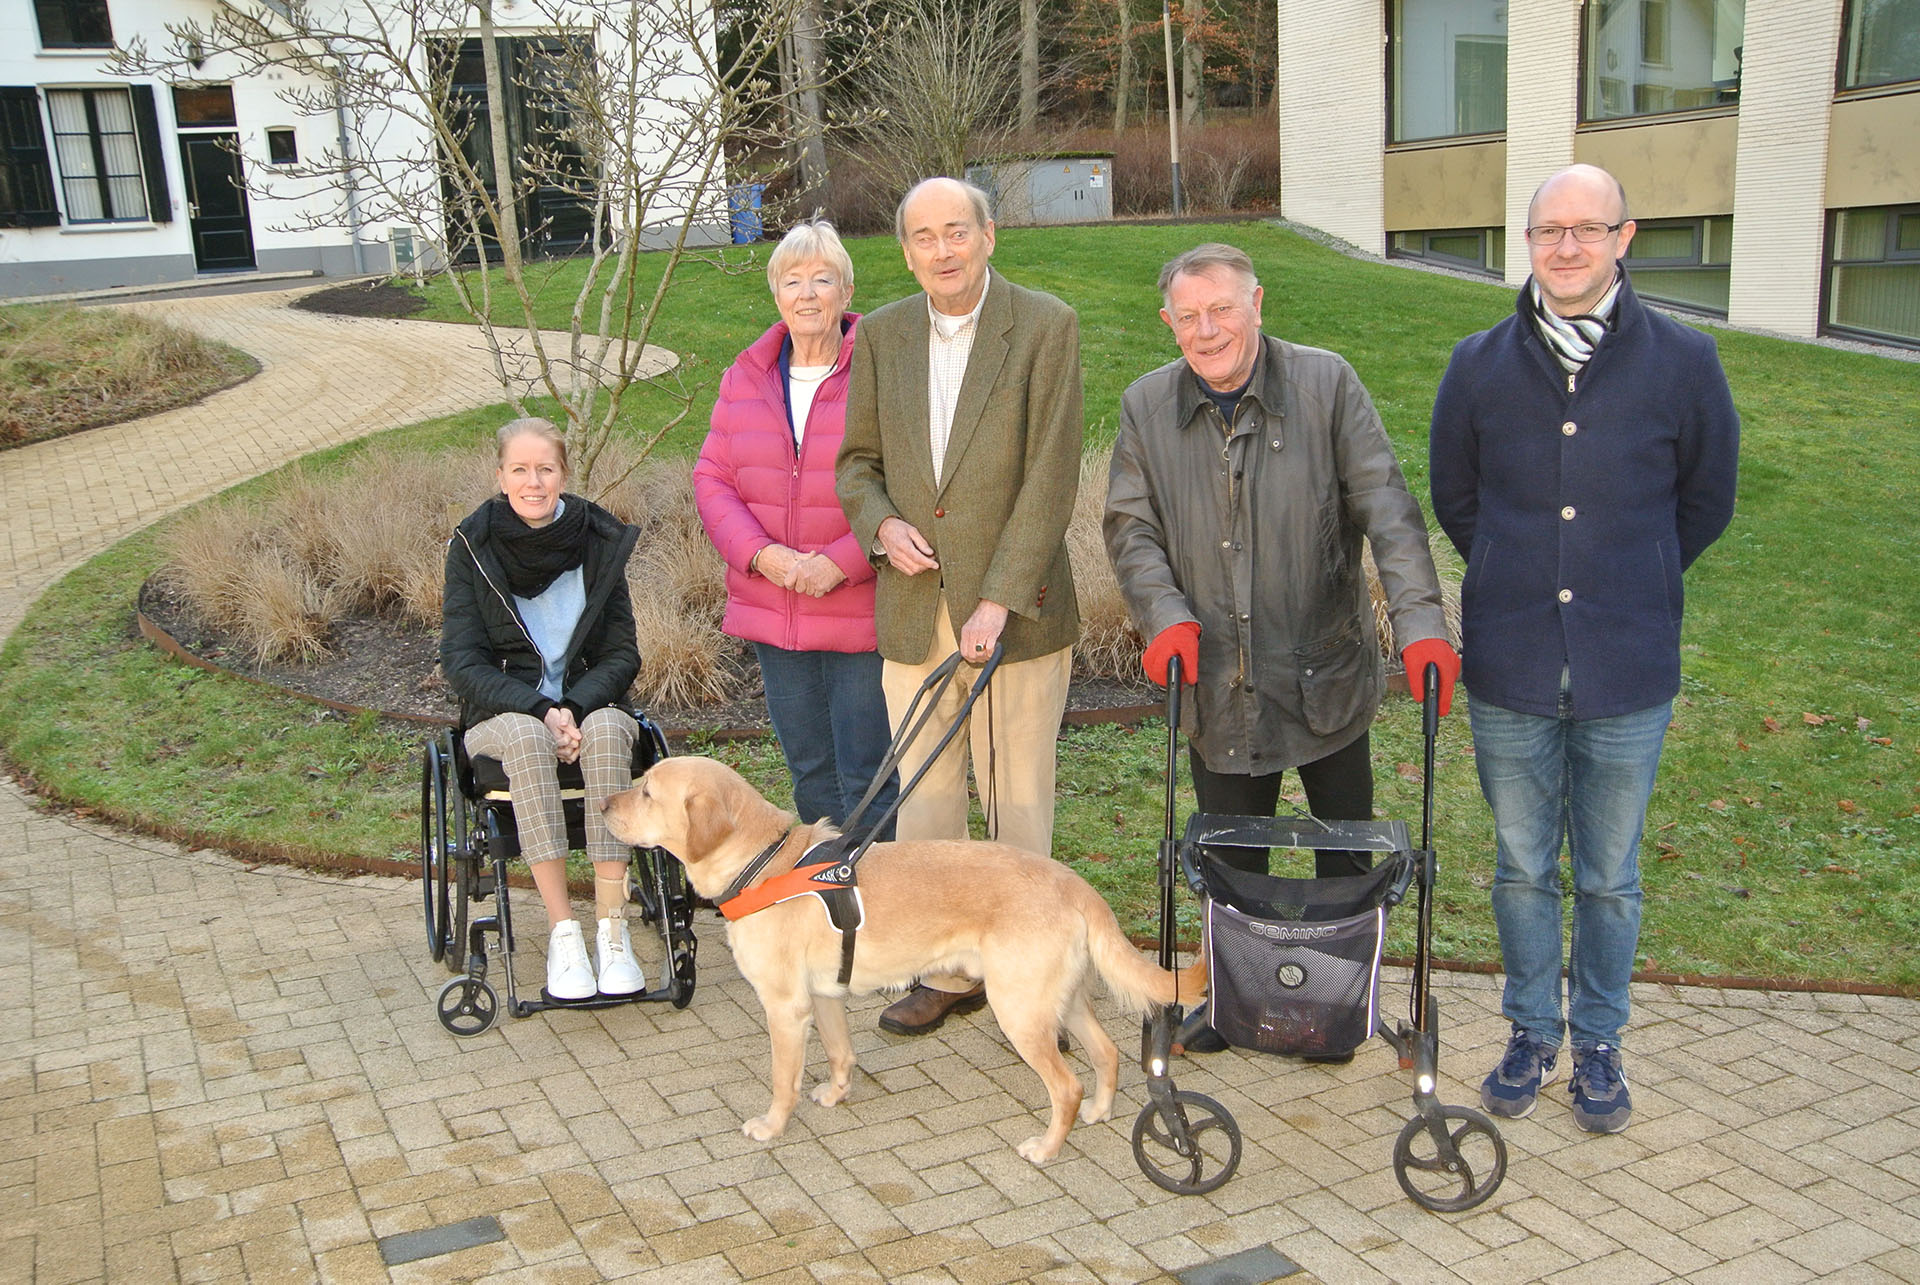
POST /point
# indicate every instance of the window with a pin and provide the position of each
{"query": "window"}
(1448, 66)
(1475, 249)
(1882, 43)
(1684, 262)
(73, 24)
(281, 149)
(1644, 57)
(26, 179)
(108, 145)
(196, 106)
(1873, 281)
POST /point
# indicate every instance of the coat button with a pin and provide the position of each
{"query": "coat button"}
(1226, 544)
(1566, 514)
(939, 513)
(1566, 595)
(1308, 671)
(1567, 429)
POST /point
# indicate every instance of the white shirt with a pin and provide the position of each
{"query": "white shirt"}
(949, 345)
(802, 383)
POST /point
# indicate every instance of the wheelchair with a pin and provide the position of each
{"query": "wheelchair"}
(467, 837)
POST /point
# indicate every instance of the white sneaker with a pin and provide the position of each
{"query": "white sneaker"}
(569, 975)
(619, 972)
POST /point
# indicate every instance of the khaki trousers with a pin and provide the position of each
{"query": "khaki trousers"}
(1022, 708)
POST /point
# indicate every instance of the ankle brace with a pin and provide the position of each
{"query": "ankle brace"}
(610, 897)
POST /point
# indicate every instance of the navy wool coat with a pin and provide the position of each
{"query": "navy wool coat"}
(1577, 502)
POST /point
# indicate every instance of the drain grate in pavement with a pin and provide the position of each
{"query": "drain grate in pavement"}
(1248, 1267)
(408, 1246)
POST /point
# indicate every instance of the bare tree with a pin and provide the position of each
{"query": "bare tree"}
(1029, 65)
(637, 116)
(1123, 69)
(1193, 63)
(942, 80)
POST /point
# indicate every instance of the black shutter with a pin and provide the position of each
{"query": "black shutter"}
(26, 178)
(146, 123)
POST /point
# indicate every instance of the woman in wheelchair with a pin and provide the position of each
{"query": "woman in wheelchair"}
(537, 641)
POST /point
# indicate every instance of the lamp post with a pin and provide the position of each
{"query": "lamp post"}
(1173, 110)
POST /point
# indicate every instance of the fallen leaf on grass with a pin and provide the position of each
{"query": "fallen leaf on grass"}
(1718, 805)
(1848, 806)
(1838, 870)
(1771, 723)
(1408, 772)
(1816, 720)
(1670, 853)
(1881, 740)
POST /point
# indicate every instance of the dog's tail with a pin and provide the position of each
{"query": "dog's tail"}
(1136, 981)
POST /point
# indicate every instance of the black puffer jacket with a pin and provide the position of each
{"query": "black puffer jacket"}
(489, 657)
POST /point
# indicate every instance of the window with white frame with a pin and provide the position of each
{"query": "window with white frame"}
(98, 147)
(73, 24)
(1645, 57)
(1448, 67)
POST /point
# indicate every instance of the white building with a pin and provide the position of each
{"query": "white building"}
(111, 179)
(1770, 149)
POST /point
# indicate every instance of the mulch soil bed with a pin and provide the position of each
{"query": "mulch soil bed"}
(379, 665)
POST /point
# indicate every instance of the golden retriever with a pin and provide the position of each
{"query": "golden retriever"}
(1031, 928)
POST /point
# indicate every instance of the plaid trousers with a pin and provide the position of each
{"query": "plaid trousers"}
(526, 750)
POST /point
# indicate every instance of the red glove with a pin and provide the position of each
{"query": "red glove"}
(1434, 651)
(1182, 640)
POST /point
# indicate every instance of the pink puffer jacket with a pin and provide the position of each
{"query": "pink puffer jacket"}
(751, 493)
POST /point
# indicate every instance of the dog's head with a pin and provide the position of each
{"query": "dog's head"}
(695, 808)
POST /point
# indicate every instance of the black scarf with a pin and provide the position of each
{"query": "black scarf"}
(534, 557)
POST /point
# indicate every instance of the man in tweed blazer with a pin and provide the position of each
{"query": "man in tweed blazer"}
(958, 472)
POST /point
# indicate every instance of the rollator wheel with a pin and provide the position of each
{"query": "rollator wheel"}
(1450, 1162)
(1207, 1157)
(468, 1006)
(433, 849)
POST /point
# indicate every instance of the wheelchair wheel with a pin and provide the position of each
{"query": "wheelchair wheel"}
(1450, 1161)
(1189, 1155)
(466, 874)
(468, 1006)
(435, 853)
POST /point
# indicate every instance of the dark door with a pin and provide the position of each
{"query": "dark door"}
(216, 201)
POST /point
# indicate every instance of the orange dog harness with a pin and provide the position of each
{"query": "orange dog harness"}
(825, 871)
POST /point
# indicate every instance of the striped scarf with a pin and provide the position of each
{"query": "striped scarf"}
(1572, 339)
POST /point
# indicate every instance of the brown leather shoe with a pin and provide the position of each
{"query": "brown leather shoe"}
(923, 1008)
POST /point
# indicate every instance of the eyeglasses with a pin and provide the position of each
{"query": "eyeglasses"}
(1587, 233)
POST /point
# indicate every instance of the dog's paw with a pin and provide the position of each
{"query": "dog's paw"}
(828, 1094)
(763, 1129)
(1036, 1149)
(1091, 1114)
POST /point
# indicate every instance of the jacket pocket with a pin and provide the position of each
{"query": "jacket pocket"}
(1336, 681)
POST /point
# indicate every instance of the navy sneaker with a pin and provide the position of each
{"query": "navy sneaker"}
(1601, 1103)
(1512, 1088)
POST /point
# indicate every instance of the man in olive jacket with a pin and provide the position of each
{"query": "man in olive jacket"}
(1244, 476)
(958, 473)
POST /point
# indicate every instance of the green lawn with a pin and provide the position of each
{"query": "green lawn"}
(1787, 821)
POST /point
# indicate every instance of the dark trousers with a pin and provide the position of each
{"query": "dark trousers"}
(1339, 788)
(831, 717)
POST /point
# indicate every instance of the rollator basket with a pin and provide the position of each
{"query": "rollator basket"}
(1295, 963)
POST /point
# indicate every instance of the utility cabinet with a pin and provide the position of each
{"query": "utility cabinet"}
(1047, 189)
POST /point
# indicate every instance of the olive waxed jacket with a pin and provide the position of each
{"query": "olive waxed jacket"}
(486, 653)
(1255, 534)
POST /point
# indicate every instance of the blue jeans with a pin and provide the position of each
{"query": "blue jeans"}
(1584, 782)
(831, 717)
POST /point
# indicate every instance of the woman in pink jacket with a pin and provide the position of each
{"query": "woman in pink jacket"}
(799, 587)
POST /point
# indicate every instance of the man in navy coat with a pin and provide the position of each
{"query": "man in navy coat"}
(1584, 453)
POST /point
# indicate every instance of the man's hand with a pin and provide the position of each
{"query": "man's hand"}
(566, 733)
(1418, 655)
(1182, 640)
(981, 632)
(907, 550)
(815, 574)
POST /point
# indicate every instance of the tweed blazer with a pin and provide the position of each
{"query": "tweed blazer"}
(998, 517)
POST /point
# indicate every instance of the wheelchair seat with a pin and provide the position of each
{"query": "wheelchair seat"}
(486, 778)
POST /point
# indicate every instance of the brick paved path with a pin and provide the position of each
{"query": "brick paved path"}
(220, 1072)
